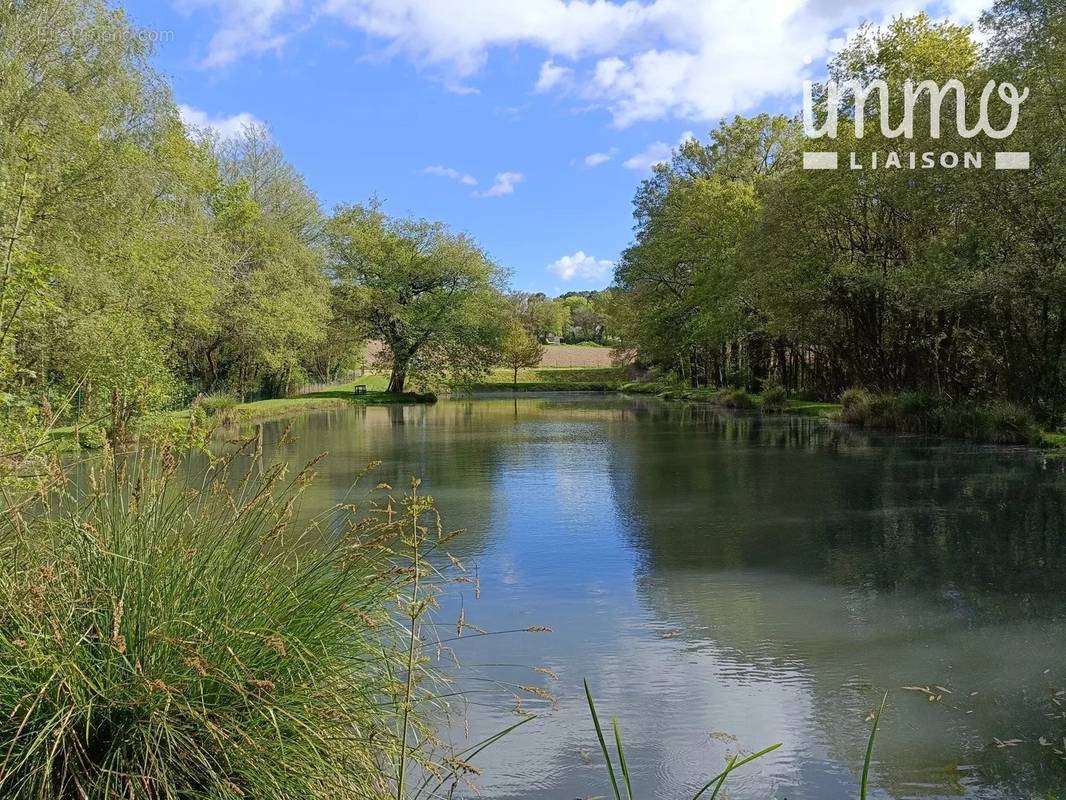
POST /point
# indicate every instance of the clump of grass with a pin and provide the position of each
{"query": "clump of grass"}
(773, 399)
(159, 642)
(735, 398)
(221, 406)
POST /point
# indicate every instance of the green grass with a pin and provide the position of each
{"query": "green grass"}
(164, 644)
(553, 379)
(173, 426)
(730, 399)
(1055, 439)
(337, 397)
(809, 408)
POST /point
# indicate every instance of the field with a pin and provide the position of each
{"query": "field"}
(576, 355)
(540, 379)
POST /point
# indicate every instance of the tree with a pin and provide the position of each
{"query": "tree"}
(432, 296)
(519, 349)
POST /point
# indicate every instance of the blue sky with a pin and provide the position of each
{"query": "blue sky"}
(527, 123)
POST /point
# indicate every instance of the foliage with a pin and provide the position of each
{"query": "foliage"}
(774, 399)
(936, 283)
(164, 639)
(1002, 423)
(519, 349)
(140, 256)
(431, 296)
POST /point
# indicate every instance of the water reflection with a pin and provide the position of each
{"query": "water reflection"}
(727, 580)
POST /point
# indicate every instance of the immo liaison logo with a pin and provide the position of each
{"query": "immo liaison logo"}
(912, 94)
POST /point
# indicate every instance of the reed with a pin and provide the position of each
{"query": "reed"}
(165, 639)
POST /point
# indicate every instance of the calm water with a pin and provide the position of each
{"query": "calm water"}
(729, 581)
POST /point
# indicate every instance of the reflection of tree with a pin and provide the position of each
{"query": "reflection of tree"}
(794, 495)
(803, 552)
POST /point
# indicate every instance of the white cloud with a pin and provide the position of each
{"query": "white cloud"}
(503, 184)
(639, 59)
(461, 89)
(655, 153)
(596, 159)
(453, 174)
(246, 27)
(224, 127)
(551, 75)
(580, 265)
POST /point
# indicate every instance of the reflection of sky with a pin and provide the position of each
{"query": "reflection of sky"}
(705, 573)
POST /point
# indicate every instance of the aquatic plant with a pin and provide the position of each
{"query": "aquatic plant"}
(999, 423)
(165, 639)
(714, 785)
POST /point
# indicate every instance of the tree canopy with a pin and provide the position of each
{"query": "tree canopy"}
(747, 269)
(433, 297)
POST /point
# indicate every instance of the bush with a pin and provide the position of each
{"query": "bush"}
(773, 399)
(1001, 423)
(167, 429)
(160, 644)
(91, 437)
(853, 406)
(223, 407)
(735, 398)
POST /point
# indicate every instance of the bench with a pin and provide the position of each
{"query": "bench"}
(359, 388)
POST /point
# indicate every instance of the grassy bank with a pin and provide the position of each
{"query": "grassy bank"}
(731, 398)
(215, 410)
(561, 379)
(337, 397)
(997, 423)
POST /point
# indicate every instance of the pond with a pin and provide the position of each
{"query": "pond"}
(726, 581)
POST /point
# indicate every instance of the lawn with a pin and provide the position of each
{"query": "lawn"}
(542, 379)
(335, 397)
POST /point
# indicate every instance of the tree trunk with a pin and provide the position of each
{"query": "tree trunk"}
(516, 377)
(398, 377)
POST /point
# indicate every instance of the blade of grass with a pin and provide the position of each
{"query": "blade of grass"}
(732, 765)
(622, 758)
(466, 755)
(721, 776)
(603, 742)
(870, 750)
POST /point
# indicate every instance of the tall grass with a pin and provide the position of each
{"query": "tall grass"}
(160, 641)
(998, 423)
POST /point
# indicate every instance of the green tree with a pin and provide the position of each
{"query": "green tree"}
(431, 296)
(519, 349)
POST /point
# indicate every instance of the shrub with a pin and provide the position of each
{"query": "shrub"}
(223, 407)
(853, 405)
(91, 437)
(172, 430)
(1001, 423)
(158, 643)
(773, 399)
(736, 398)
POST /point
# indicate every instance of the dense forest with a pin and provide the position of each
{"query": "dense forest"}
(946, 283)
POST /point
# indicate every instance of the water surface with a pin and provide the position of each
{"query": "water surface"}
(726, 581)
